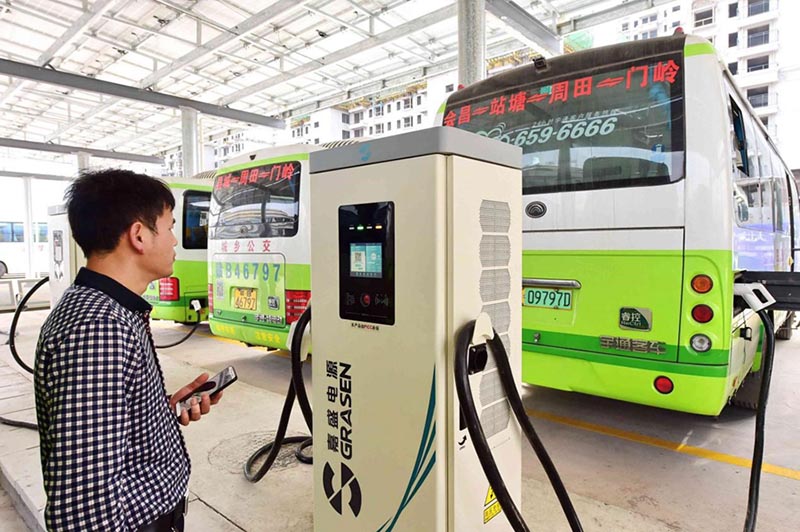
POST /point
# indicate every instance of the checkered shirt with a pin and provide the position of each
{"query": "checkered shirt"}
(113, 456)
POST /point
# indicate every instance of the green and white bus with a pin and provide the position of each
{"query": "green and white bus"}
(259, 273)
(648, 183)
(171, 297)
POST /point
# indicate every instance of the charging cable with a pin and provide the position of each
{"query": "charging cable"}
(463, 341)
(13, 347)
(195, 304)
(296, 389)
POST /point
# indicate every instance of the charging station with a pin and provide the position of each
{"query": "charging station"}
(66, 258)
(412, 236)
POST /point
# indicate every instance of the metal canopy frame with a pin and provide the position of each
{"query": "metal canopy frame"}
(121, 67)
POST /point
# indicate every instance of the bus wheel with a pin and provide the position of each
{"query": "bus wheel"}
(747, 394)
(785, 330)
(3, 268)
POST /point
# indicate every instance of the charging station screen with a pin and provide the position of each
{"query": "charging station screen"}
(366, 260)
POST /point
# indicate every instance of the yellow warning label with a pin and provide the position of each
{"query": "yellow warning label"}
(491, 506)
(490, 496)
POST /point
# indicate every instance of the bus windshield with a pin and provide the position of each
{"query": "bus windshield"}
(258, 202)
(601, 127)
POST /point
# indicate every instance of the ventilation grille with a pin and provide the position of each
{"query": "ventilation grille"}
(495, 290)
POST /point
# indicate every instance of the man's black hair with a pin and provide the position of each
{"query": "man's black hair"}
(102, 205)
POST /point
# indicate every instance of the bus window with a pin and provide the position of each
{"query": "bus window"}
(739, 138)
(606, 127)
(780, 204)
(764, 156)
(752, 147)
(195, 219)
(259, 202)
(747, 196)
(12, 232)
(766, 204)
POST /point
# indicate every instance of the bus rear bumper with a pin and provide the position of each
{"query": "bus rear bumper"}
(692, 393)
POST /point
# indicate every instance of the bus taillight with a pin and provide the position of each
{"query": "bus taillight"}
(296, 302)
(702, 313)
(210, 298)
(702, 284)
(168, 289)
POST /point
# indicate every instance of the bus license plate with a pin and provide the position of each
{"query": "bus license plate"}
(547, 298)
(244, 298)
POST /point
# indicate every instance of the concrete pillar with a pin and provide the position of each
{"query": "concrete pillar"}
(84, 161)
(471, 41)
(190, 145)
(28, 226)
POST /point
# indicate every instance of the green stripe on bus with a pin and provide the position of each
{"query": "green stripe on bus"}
(624, 361)
(259, 162)
(442, 107)
(702, 48)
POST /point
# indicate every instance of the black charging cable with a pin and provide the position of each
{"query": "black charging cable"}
(12, 333)
(195, 304)
(296, 389)
(484, 452)
(761, 414)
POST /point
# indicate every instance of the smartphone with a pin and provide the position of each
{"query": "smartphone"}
(214, 385)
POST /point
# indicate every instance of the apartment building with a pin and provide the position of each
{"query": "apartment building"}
(759, 43)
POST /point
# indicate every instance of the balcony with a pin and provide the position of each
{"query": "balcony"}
(757, 44)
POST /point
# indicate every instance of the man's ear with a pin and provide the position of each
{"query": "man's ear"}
(135, 235)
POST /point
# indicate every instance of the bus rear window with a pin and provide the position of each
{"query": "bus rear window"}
(258, 202)
(604, 127)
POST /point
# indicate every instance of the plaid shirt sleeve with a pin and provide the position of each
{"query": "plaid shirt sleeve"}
(90, 376)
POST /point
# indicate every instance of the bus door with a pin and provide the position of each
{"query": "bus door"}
(253, 210)
(603, 162)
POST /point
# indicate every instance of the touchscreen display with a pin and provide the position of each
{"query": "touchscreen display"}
(366, 260)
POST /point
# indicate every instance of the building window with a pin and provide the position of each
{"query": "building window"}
(676, 23)
(306, 130)
(408, 121)
(370, 130)
(398, 124)
(316, 141)
(357, 117)
(733, 39)
(765, 121)
(758, 63)
(316, 124)
(419, 119)
(704, 18)
(756, 7)
(758, 36)
(676, 8)
(733, 9)
(388, 126)
(448, 88)
(734, 67)
(378, 129)
(358, 132)
(407, 103)
(759, 97)
(379, 111)
(345, 135)
(419, 99)
(635, 23)
(624, 26)
(389, 108)
(398, 106)
(370, 113)
(345, 118)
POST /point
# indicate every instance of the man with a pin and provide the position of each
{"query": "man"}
(113, 456)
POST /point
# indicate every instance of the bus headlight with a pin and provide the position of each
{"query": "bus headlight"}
(700, 343)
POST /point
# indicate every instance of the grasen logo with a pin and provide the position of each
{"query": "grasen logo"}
(349, 481)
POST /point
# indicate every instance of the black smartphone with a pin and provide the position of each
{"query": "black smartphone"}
(214, 385)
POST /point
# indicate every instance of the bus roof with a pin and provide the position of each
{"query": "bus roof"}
(563, 65)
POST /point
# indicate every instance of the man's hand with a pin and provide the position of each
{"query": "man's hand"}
(199, 408)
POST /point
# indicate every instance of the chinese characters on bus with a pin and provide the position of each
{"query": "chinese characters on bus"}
(270, 174)
(635, 76)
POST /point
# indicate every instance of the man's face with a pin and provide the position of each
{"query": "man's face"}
(161, 249)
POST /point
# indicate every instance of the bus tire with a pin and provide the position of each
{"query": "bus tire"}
(3, 268)
(747, 394)
(785, 331)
